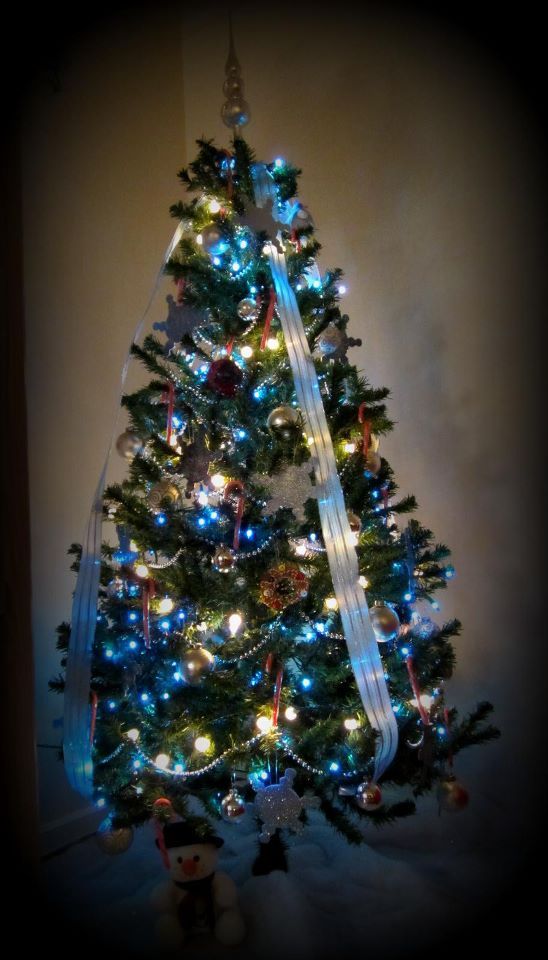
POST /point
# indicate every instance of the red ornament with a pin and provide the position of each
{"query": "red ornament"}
(452, 796)
(282, 586)
(224, 377)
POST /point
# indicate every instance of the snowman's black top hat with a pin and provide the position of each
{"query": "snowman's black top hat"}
(178, 833)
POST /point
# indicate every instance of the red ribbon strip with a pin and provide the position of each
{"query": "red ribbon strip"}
(229, 346)
(180, 284)
(268, 662)
(234, 490)
(366, 427)
(416, 690)
(169, 398)
(94, 699)
(238, 524)
(296, 240)
(149, 591)
(268, 318)
(277, 692)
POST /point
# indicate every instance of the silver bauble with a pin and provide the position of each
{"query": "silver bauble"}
(129, 444)
(369, 796)
(385, 622)
(233, 807)
(113, 840)
(283, 421)
(248, 310)
(235, 112)
(195, 664)
(214, 240)
(163, 490)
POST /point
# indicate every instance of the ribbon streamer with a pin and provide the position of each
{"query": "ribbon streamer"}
(77, 718)
(343, 563)
(277, 693)
(148, 592)
(169, 398)
(268, 318)
(416, 690)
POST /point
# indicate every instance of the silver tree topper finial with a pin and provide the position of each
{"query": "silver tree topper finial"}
(235, 110)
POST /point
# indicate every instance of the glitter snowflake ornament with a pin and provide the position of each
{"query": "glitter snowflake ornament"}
(181, 321)
(279, 807)
(289, 489)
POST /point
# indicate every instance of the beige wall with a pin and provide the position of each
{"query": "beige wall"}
(420, 168)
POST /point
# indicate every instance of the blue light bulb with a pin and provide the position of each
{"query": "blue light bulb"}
(161, 519)
(334, 766)
(306, 683)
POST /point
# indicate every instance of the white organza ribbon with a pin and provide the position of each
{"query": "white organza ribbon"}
(343, 562)
(77, 713)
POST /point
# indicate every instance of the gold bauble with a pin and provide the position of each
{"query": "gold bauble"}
(195, 664)
(354, 522)
(113, 840)
(163, 490)
(385, 621)
(224, 560)
(283, 421)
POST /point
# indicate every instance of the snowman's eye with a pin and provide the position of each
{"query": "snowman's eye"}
(196, 858)
(179, 859)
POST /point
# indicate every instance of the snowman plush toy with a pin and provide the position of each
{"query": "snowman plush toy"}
(198, 898)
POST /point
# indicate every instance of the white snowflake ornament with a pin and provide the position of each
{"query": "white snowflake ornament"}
(279, 807)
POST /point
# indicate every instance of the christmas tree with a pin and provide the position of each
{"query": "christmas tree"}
(257, 636)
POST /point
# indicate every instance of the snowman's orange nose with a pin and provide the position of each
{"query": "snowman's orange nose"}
(189, 867)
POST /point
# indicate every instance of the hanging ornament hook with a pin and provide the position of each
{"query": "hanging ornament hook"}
(235, 110)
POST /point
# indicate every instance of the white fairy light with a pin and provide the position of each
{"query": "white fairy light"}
(234, 623)
(202, 744)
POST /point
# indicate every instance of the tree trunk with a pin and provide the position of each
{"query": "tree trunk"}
(271, 856)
